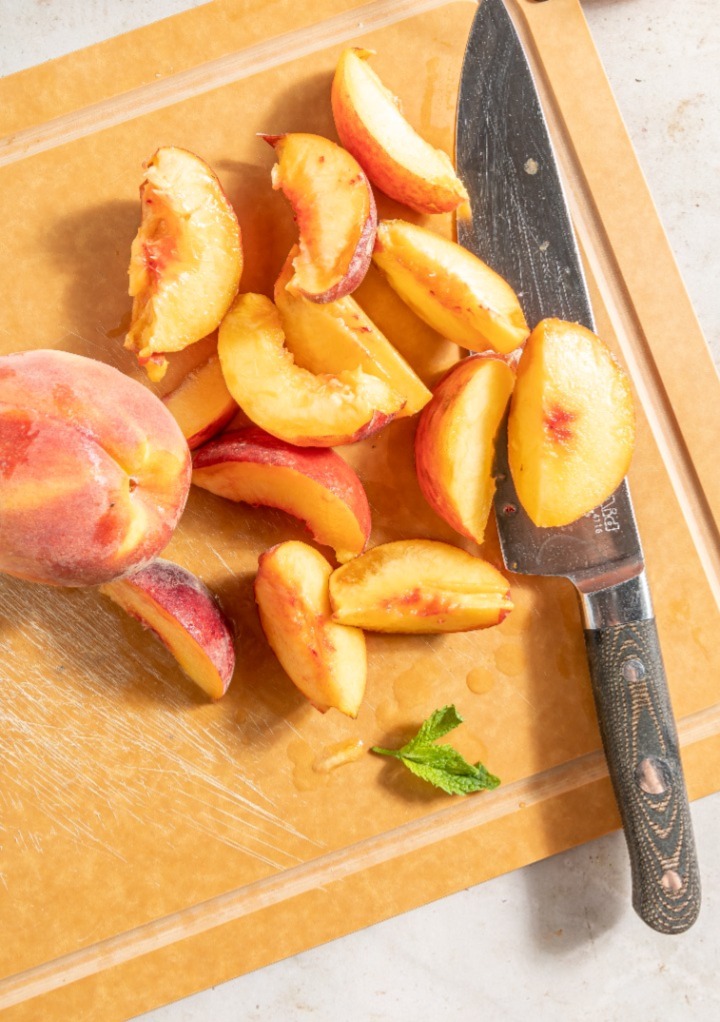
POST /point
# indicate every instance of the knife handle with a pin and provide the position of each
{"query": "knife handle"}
(641, 745)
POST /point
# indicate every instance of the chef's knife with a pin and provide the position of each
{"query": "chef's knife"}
(521, 227)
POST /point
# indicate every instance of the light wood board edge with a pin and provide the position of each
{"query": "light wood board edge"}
(456, 819)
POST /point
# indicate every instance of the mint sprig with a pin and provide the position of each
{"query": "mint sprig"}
(441, 765)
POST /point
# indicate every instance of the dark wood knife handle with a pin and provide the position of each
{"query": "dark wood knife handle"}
(641, 746)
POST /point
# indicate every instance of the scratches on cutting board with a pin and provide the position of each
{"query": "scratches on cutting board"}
(94, 742)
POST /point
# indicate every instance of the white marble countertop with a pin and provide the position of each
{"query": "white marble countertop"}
(557, 940)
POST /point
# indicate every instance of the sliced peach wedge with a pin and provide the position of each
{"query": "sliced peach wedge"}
(430, 354)
(201, 404)
(325, 660)
(337, 336)
(571, 428)
(311, 483)
(335, 211)
(184, 614)
(393, 155)
(186, 259)
(456, 293)
(419, 585)
(455, 442)
(288, 401)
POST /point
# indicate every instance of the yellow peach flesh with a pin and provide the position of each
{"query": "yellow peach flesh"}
(394, 156)
(325, 660)
(330, 520)
(290, 402)
(337, 336)
(571, 429)
(429, 354)
(450, 288)
(186, 260)
(418, 586)
(335, 212)
(184, 615)
(455, 442)
(202, 404)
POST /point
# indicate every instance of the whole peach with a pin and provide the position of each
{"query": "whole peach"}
(94, 470)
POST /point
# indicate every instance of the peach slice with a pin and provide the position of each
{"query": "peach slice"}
(202, 405)
(287, 401)
(571, 428)
(393, 155)
(311, 483)
(94, 471)
(186, 617)
(186, 260)
(430, 355)
(325, 660)
(455, 442)
(336, 336)
(418, 585)
(456, 293)
(335, 211)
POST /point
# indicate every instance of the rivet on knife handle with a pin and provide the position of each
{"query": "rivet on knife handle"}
(641, 747)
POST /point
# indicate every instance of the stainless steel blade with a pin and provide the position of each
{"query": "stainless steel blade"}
(505, 158)
(521, 227)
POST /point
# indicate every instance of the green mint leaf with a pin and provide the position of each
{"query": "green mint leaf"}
(441, 765)
(438, 724)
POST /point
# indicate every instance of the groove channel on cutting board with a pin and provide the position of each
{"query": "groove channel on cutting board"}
(232, 67)
(607, 274)
(331, 868)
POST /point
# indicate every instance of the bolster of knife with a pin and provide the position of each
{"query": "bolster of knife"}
(641, 746)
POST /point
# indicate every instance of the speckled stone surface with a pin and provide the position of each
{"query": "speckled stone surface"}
(558, 940)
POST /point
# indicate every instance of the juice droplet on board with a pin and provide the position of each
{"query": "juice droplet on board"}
(480, 680)
(413, 687)
(510, 659)
(338, 755)
(304, 775)
(121, 329)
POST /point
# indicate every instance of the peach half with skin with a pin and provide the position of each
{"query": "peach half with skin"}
(455, 442)
(201, 404)
(312, 483)
(419, 586)
(288, 401)
(325, 660)
(337, 336)
(394, 156)
(571, 427)
(334, 208)
(186, 259)
(94, 471)
(456, 293)
(184, 614)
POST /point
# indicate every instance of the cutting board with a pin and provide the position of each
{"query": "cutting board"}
(153, 843)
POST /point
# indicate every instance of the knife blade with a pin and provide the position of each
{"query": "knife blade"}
(520, 225)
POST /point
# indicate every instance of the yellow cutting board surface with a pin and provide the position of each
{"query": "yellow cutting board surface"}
(153, 843)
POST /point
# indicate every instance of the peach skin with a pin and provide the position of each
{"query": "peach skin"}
(456, 293)
(393, 155)
(288, 401)
(455, 442)
(311, 483)
(186, 260)
(571, 428)
(335, 211)
(418, 586)
(95, 471)
(182, 612)
(325, 660)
